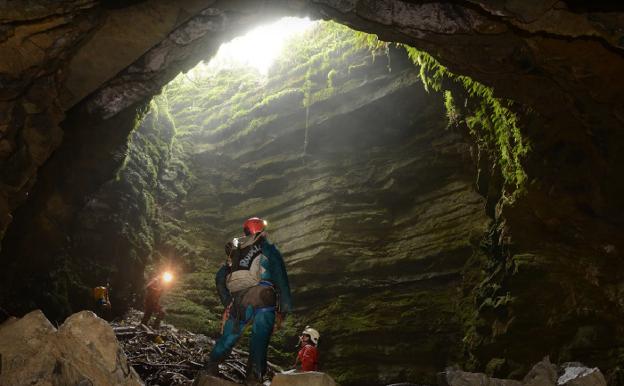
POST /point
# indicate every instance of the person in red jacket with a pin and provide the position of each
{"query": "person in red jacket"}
(153, 292)
(308, 354)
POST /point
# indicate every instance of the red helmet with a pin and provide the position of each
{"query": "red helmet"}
(254, 225)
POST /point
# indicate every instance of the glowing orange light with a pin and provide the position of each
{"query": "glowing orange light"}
(167, 277)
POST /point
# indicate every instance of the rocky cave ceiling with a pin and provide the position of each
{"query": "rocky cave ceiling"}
(565, 64)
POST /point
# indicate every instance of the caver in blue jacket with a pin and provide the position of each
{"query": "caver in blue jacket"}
(253, 285)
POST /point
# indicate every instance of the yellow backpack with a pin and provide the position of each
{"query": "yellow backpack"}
(100, 293)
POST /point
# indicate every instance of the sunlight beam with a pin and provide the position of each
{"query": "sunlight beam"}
(259, 47)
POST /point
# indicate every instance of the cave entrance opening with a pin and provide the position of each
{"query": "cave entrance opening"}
(256, 49)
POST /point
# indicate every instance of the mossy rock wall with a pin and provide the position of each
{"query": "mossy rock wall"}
(368, 193)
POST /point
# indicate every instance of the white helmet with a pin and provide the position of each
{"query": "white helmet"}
(314, 335)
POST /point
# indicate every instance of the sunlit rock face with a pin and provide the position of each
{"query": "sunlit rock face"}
(554, 260)
(248, 152)
(372, 204)
(556, 253)
(367, 191)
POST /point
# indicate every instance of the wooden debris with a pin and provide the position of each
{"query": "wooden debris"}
(172, 357)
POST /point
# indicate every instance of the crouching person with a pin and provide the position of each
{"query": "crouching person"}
(307, 357)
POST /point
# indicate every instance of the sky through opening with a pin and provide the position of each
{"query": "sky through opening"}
(258, 48)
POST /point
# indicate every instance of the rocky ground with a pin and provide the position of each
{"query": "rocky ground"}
(85, 350)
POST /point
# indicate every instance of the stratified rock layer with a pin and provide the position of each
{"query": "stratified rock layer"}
(367, 191)
(368, 195)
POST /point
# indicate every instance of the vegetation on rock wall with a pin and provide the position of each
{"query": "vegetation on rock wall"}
(248, 136)
(214, 111)
(491, 120)
(130, 221)
(494, 128)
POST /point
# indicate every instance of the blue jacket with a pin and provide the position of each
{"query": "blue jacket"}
(277, 270)
(274, 271)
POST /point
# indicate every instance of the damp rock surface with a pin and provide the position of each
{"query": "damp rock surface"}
(83, 350)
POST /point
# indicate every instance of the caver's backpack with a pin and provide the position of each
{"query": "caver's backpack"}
(245, 266)
(244, 279)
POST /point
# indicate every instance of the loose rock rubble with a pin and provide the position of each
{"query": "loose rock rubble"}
(168, 356)
(543, 373)
(84, 351)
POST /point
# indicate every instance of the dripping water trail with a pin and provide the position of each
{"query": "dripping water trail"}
(305, 135)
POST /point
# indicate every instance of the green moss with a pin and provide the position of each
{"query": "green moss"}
(186, 304)
(321, 95)
(452, 112)
(492, 123)
(331, 76)
(279, 97)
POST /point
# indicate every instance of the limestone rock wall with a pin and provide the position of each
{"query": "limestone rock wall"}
(49, 48)
(368, 194)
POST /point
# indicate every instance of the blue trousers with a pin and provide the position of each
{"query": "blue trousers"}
(262, 327)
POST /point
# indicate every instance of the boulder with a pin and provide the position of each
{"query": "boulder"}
(543, 373)
(576, 374)
(203, 379)
(84, 350)
(455, 377)
(311, 378)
